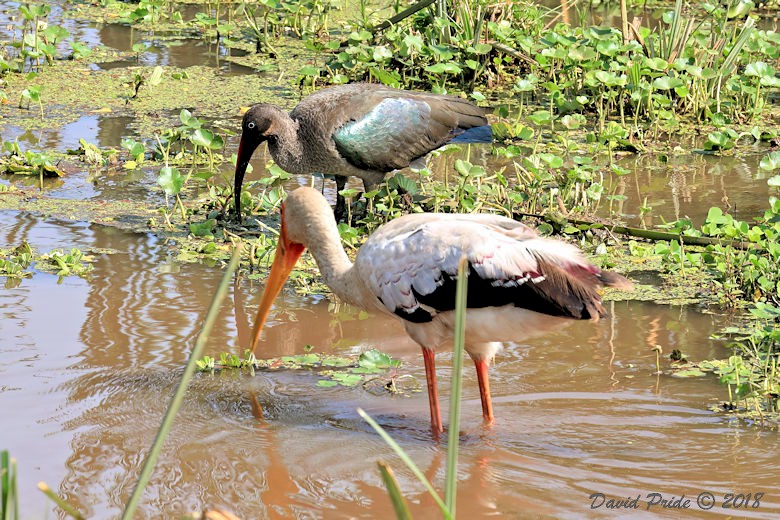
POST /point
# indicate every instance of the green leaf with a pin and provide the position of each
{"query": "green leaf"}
(203, 229)
(347, 379)
(187, 119)
(691, 372)
(739, 9)
(374, 359)
(582, 54)
(449, 67)
(156, 76)
(667, 83)
(171, 180)
(540, 117)
(770, 162)
(404, 183)
(202, 137)
(715, 215)
(658, 64)
(382, 53)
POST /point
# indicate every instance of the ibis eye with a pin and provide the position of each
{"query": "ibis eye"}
(250, 125)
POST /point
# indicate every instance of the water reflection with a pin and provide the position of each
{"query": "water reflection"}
(687, 186)
(578, 410)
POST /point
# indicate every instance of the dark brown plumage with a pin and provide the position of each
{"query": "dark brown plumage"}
(361, 129)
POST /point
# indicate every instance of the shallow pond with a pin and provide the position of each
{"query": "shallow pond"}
(90, 365)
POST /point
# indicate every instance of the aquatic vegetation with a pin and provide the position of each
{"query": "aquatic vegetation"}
(743, 269)
(9, 494)
(695, 67)
(751, 373)
(37, 43)
(137, 151)
(365, 370)
(63, 263)
(192, 139)
(743, 263)
(27, 163)
(93, 155)
(14, 262)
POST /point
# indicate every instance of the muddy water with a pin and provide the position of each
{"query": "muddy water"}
(687, 186)
(89, 366)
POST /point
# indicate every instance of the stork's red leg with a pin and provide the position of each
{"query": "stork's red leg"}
(433, 390)
(484, 389)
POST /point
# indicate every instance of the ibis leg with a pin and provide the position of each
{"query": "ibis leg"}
(340, 212)
(433, 391)
(484, 389)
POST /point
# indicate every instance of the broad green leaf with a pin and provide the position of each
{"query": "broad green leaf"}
(171, 180)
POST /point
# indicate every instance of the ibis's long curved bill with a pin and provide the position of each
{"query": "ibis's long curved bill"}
(246, 147)
(287, 255)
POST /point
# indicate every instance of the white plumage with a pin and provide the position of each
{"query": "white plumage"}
(518, 281)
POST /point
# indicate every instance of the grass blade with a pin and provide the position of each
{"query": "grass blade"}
(61, 503)
(9, 509)
(178, 397)
(407, 460)
(396, 497)
(5, 490)
(458, 340)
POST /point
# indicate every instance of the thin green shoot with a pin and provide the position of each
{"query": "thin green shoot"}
(9, 507)
(451, 479)
(408, 461)
(396, 497)
(61, 503)
(178, 397)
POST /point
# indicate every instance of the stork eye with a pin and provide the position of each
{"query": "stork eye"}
(250, 125)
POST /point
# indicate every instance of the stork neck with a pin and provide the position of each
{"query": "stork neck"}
(334, 264)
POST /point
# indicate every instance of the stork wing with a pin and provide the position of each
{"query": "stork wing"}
(411, 265)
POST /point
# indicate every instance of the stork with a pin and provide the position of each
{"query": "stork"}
(408, 268)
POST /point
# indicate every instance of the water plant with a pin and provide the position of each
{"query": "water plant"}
(447, 506)
(9, 497)
(73, 262)
(31, 94)
(655, 79)
(192, 139)
(368, 368)
(172, 182)
(15, 262)
(178, 397)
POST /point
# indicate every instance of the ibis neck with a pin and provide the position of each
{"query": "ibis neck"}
(285, 145)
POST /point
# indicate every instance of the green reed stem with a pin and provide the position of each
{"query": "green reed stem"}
(396, 497)
(9, 507)
(451, 478)
(178, 397)
(458, 340)
(408, 461)
(65, 506)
